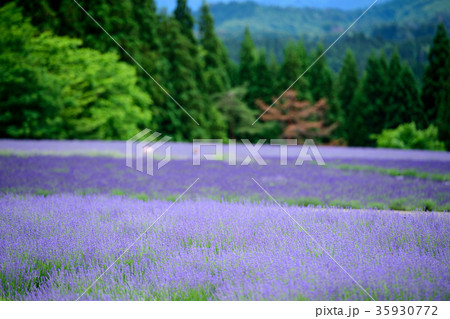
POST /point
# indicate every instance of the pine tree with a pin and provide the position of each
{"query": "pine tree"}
(215, 56)
(414, 107)
(367, 112)
(321, 85)
(356, 128)
(274, 69)
(183, 14)
(247, 59)
(294, 64)
(183, 85)
(348, 81)
(396, 108)
(144, 13)
(437, 74)
(261, 86)
(444, 117)
(404, 105)
(320, 76)
(375, 88)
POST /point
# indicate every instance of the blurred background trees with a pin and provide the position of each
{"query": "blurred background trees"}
(63, 77)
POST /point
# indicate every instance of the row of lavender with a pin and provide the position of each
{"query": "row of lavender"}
(54, 247)
(53, 174)
(186, 150)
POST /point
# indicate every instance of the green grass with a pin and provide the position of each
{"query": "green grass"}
(43, 192)
(400, 204)
(392, 171)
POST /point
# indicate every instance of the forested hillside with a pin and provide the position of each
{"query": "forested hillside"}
(65, 76)
(346, 5)
(409, 25)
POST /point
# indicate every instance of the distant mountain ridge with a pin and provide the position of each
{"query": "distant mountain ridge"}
(234, 16)
(409, 25)
(344, 4)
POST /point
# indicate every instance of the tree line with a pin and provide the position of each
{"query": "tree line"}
(61, 76)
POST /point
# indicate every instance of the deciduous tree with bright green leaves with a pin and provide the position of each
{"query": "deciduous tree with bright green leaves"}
(52, 88)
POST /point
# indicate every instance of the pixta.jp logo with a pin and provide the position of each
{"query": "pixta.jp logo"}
(141, 149)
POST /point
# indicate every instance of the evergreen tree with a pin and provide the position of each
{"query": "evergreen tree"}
(444, 117)
(356, 129)
(294, 64)
(321, 85)
(437, 74)
(367, 113)
(415, 112)
(404, 104)
(396, 108)
(148, 47)
(274, 69)
(348, 81)
(215, 56)
(248, 59)
(320, 76)
(182, 83)
(144, 14)
(183, 14)
(375, 88)
(261, 86)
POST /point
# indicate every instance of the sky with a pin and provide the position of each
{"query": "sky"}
(342, 4)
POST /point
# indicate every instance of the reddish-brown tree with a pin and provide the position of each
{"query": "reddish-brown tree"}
(301, 119)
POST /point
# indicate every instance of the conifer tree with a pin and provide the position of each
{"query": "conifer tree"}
(367, 112)
(415, 112)
(437, 74)
(356, 129)
(374, 93)
(320, 76)
(294, 64)
(261, 86)
(215, 56)
(274, 69)
(183, 14)
(444, 117)
(248, 59)
(144, 13)
(183, 85)
(348, 81)
(404, 105)
(396, 108)
(321, 85)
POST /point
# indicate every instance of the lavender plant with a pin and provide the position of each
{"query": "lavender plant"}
(54, 247)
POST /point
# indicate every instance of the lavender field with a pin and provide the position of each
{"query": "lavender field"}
(340, 232)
